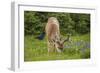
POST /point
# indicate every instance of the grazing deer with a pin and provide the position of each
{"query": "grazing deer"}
(53, 35)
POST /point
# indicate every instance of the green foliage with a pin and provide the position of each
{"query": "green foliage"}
(74, 23)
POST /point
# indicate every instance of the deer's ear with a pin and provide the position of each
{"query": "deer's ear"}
(65, 41)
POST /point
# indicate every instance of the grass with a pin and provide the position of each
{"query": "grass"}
(36, 50)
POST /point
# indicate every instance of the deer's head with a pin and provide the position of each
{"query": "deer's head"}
(59, 43)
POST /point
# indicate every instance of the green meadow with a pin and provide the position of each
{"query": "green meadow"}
(36, 50)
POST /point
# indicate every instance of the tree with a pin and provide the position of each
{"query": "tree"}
(74, 23)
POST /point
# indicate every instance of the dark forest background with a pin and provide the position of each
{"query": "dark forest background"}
(73, 23)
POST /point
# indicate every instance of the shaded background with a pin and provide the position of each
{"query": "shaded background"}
(74, 23)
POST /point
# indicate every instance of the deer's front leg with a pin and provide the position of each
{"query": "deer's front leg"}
(49, 47)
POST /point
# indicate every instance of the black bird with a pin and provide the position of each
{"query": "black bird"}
(41, 36)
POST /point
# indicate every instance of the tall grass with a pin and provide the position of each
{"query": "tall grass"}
(36, 50)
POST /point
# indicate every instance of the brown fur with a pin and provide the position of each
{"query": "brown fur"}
(53, 35)
(52, 28)
(52, 32)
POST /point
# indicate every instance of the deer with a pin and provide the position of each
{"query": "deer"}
(54, 41)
